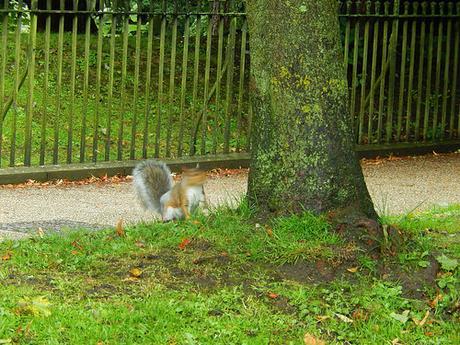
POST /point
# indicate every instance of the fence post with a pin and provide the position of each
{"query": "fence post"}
(113, 32)
(160, 79)
(420, 73)
(446, 71)
(229, 86)
(4, 49)
(411, 73)
(402, 74)
(17, 82)
(172, 79)
(148, 76)
(438, 70)
(241, 90)
(30, 98)
(124, 63)
(454, 81)
(183, 88)
(391, 82)
(364, 74)
(90, 5)
(132, 153)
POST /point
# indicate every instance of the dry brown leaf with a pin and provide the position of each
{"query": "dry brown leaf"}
(119, 228)
(76, 245)
(184, 243)
(74, 252)
(269, 231)
(352, 269)
(40, 232)
(423, 321)
(139, 244)
(321, 318)
(63, 182)
(7, 256)
(435, 301)
(135, 272)
(273, 295)
(359, 314)
(309, 339)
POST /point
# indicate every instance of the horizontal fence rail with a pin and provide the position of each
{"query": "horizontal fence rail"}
(88, 81)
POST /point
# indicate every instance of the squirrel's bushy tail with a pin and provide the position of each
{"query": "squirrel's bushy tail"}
(151, 180)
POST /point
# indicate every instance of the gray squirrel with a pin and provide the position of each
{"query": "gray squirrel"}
(157, 192)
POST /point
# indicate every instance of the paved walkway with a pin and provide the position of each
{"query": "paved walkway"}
(396, 186)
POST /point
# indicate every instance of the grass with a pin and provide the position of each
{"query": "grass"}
(222, 279)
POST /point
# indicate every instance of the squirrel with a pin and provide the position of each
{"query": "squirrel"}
(157, 192)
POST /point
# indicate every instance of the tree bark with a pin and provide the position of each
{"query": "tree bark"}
(302, 142)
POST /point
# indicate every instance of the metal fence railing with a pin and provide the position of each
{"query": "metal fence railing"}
(402, 62)
(87, 80)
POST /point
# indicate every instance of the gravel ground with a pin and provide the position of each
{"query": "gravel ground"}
(396, 186)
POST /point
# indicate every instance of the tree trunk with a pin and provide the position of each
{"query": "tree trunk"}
(302, 143)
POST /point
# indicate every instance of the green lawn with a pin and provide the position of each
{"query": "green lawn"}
(223, 279)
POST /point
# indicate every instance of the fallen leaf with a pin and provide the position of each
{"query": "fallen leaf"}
(273, 295)
(435, 301)
(196, 222)
(119, 229)
(359, 314)
(40, 232)
(395, 341)
(352, 269)
(139, 244)
(77, 245)
(135, 272)
(37, 306)
(74, 252)
(309, 339)
(184, 243)
(269, 231)
(344, 318)
(423, 321)
(429, 334)
(403, 317)
(7, 256)
(321, 318)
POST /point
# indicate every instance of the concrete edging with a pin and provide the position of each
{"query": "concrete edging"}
(231, 161)
(84, 170)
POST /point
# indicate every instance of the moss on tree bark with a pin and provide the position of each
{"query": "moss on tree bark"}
(303, 153)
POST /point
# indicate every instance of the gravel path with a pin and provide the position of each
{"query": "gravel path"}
(396, 186)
